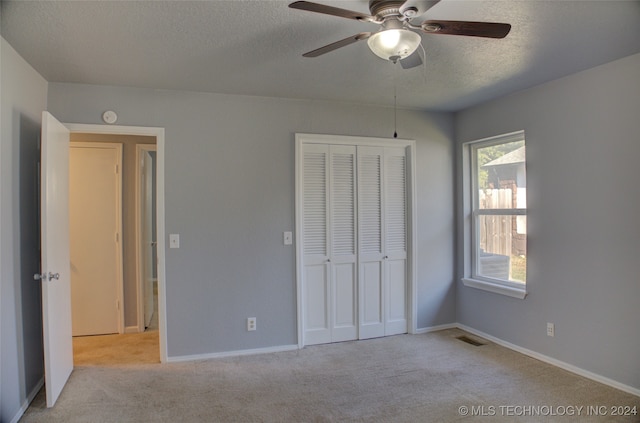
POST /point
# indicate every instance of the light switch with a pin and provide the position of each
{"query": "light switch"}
(174, 240)
(288, 238)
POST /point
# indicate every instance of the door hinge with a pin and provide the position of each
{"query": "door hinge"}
(117, 237)
(117, 169)
(117, 304)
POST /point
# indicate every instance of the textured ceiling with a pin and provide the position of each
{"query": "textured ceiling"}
(255, 48)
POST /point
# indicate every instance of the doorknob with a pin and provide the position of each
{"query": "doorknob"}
(44, 276)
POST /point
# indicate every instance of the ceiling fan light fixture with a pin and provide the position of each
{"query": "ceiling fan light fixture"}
(394, 43)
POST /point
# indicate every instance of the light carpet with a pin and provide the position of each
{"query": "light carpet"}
(405, 378)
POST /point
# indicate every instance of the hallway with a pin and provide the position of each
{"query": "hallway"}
(118, 349)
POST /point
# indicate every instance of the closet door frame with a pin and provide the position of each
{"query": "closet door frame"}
(302, 139)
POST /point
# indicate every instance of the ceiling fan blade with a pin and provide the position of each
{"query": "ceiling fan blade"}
(334, 46)
(470, 29)
(419, 7)
(330, 10)
(411, 61)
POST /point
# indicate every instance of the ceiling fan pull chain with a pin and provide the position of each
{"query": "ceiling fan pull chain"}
(395, 106)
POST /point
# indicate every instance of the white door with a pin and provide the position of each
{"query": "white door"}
(342, 204)
(96, 251)
(147, 235)
(382, 223)
(395, 240)
(371, 237)
(329, 244)
(315, 206)
(56, 283)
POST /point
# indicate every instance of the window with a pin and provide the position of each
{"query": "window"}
(497, 214)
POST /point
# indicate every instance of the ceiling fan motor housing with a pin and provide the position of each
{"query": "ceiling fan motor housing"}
(383, 8)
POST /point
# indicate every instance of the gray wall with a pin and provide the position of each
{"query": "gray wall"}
(229, 193)
(24, 97)
(583, 148)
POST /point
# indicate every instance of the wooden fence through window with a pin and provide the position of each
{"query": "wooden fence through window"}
(496, 231)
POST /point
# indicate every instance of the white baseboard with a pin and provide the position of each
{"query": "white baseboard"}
(550, 360)
(27, 401)
(132, 329)
(435, 328)
(279, 348)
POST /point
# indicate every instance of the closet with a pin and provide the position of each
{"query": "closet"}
(352, 210)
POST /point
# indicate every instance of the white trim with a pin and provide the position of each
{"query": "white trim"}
(435, 328)
(410, 146)
(496, 288)
(160, 229)
(132, 329)
(352, 140)
(140, 148)
(27, 401)
(118, 206)
(298, 235)
(412, 243)
(499, 139)
(237, 353)
(550, 360)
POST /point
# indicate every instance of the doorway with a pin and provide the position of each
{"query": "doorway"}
(114, 347)
(130, 344)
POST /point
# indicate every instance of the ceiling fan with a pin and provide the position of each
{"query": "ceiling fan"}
(398, 37)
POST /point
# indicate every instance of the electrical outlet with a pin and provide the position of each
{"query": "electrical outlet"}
(251, 323)
(551, 329)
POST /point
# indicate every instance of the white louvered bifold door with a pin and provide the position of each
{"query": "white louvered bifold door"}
(329, 244)
(315, 227)
(342, 251)
(395, 240)
(371, 242)
(354, 242)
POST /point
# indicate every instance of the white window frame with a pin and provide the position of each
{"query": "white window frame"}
(471, 212)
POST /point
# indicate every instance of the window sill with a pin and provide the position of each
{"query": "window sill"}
(509, 291)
